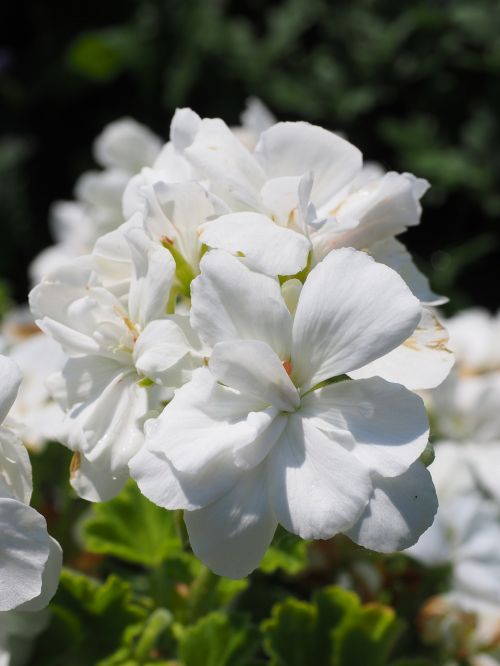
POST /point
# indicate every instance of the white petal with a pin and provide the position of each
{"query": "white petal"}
(234, 173)
(231, 535)
(433, 547)
(153, 274)
(185, 206)
(251, 366)
(183, 128)
(400, 510)
(50, 579)
(394, 254)
(282, 200)
(384, 425)
(290, 290)
(159, 348)
(351, 311)
(24, 551)
(269, 425)
(317, 487)
(262, 245)
(112, 261)
(256, 117)
(10, 380)
(484, 460)
(111, 416)
(173, 165)
(203, 421)
(293, 149)
(230, 302)
(127, 145)
(160, 482)
(70, 307)
(15, 468)
(421, 362)
(383, 208)
(99, 480)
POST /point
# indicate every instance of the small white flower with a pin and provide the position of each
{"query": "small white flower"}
(465, 533)
(31, 559)
(35, 417)
(262, 436)
(126, 353)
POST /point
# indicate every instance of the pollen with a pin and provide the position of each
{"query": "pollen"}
(287, 365)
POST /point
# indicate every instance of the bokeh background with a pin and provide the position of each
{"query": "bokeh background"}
(415, 84)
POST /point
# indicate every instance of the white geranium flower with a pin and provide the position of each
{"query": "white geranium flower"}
(127, 145)
(261, 436)
(30, 558)
(127, 355)
(172, 213)
(302, 178)
(466, 408)
(465, 533)
(475, 339)
(35, 417)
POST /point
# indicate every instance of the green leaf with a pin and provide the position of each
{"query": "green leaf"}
(411, 662)
(141, 642)
(219, 640)
(287, 552)
(88, 620)
(291, 634)
(101, 55)
(366, 637)
(132, 528)
(333, 630)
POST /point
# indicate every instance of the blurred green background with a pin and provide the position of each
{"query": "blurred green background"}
(415, 84)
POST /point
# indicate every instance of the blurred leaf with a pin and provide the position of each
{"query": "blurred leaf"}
(333, 630)
(411, 662)
(141, 643)
(102, 54)
(291, 635)
(132, 528)
(219, 640)
(367, 637)
(286, 552)
(89, 620)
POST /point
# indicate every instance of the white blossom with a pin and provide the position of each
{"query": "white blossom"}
(126, 353)
(262, 436)
(30, 558)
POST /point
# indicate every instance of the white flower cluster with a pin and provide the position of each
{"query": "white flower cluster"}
(245, 344)
(466, 532)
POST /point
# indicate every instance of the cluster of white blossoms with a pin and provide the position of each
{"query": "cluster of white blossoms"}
(246, 340)
(466, 470)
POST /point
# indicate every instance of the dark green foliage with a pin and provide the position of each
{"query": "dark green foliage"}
(219, 640)
(88, 621)
(132, 528)
(334, 630)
